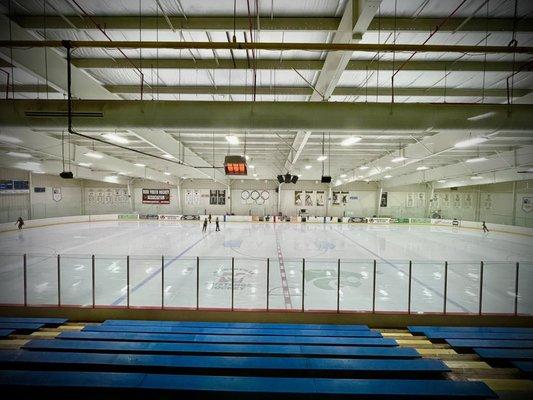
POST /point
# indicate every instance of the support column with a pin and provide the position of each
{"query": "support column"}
(30, 194)
(513, 217)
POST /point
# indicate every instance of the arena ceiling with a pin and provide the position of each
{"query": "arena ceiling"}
(281, 105)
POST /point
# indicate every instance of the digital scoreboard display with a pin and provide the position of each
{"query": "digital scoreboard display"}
(235, 165)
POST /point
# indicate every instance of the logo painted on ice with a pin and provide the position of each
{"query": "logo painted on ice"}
(327, 279)
(222, 279)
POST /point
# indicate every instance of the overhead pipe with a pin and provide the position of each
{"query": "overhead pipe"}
(364, 47)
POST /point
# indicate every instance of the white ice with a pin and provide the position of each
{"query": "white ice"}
(285, 245)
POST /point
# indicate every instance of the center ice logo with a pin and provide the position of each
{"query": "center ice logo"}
(222, 279)
(327, 279)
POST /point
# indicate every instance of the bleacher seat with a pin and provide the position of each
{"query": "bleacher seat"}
(524, 366)
(221, 349)
(5, 332)
(231, 331)
(489, 343)
(505, 354)
(220, 365)
(35, 320)
(194, 386)
(477, 335)
(241, 325)
(188, 338)
(21, 326)
(475, 329)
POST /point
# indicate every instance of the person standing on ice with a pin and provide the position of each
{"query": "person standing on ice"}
(217, 226)
(20, 223)
(484, 226)
(209, 218)
(204, 228)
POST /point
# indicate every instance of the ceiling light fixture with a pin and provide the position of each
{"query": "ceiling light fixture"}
(139, 165)
(387, 176)
(251, 166)
(93, 154)
(363, 167)
(477, 159)
(442, 181)
(167, 173)
(351, 140)
(322, 158)
(116, 138)
(482, 116)
(399, 159)
(18, 155)
(169, 156)
(308, 167)
(232, 139)
(422, 168)
(9, 139)
(343, 175)
(476, 177)
(470, 142)
(84, 164)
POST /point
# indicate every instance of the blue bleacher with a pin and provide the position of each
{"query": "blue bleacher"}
(5, 332)
(235, 325)
(194, 386)
(231, 331)
(221, 365)
(188, 338)
(221, 349)
(37, 320)
(21, 326)
(424, 329)
(505, 354)
(478, 335)
(524, 366)
(483, 343)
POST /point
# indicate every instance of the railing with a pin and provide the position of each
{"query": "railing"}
(267, 284)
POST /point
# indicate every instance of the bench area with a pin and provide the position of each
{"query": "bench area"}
(133, 359)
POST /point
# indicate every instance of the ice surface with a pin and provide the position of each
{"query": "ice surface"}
(285, 245)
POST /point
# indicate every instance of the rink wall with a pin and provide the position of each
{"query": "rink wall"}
(5, 227)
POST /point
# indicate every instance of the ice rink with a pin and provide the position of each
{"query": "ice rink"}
(173, 280)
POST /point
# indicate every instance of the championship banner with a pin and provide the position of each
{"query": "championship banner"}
(457, 200)
(309, 198)
(383, 200)
(445, 200)
(487, 201)
(336, 198)
(320, 198)
(156, 196)
(527, 204)
(298, 197)
(467, 200)
(344, 198)
(410, 200)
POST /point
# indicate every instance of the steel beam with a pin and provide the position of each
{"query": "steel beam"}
(313, 65)
(302, 23)
(275, 46)
(223, 115)
(306, 91)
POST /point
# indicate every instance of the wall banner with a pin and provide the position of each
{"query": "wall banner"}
(156, 196)
(320, 198)
(309, 198)
(527, 204)
(344, 198)
(383, 200)
(56, 194)
(336, 198)
(410, 200)
(298, 194)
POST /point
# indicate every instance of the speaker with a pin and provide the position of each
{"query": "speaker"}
(277, 190)
(66, 175)
(294, 179)
(288, 178)
(281, 179)
(326, 179)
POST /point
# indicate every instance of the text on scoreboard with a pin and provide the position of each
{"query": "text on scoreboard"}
(156, 196)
